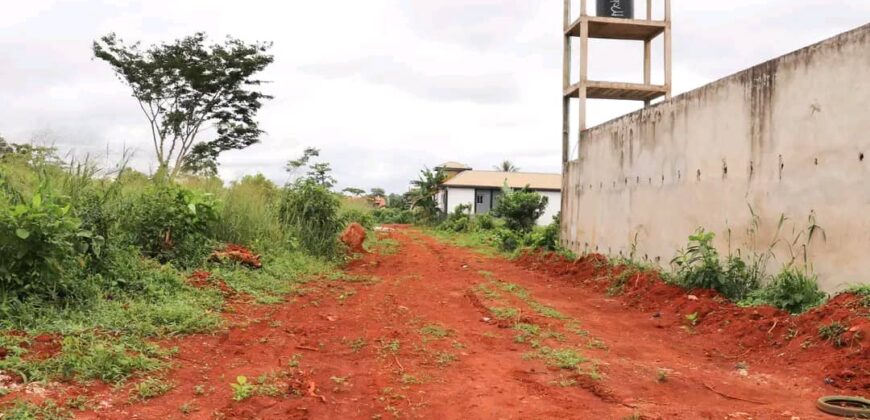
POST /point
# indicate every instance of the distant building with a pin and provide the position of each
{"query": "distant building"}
(482, 189)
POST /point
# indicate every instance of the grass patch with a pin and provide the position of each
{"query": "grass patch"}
(833, 333)
(151, 388)
(24, 410)
(505, 313)
(435, 331)
(562, 358)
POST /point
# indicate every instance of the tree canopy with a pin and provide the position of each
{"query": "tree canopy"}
(187, 87)
(506, 166)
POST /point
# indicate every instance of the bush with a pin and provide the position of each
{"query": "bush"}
(309, 211)
(791, 290)
(508, 240)
(459, 220)
(548, 237)
(699, 267)
(248, 213)
(171, 223)
(354, 215)
(391, 215)
(42, 245)
(520, 209)
(485, 221)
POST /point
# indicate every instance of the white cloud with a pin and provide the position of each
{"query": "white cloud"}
(383, 87)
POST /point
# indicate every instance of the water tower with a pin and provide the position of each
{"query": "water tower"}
(614, 20)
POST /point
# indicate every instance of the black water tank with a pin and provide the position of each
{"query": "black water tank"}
(623, 9)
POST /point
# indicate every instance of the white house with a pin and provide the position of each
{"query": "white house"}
(482, 189)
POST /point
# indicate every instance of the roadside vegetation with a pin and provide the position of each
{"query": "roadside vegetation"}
(98, 263)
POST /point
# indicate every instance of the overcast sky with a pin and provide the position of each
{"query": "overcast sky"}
(382, 87)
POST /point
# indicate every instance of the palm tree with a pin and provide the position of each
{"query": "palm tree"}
(422, 197)
(506, 166)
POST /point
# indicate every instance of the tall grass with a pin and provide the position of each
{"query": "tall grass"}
(97, 260)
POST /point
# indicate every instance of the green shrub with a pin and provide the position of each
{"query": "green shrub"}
(459, 220)
(392, 215)
(485, 221)
(508, 240)
(248, 213)
(171, 223)
(354, 215)
(309, 211)
(520, 209)
(699, 267)
(791, 290)
(548, 237)
(42, 245)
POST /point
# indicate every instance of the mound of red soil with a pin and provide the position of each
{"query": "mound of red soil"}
(760, 333)
(238, 253)
(203, 279)
(354, 236)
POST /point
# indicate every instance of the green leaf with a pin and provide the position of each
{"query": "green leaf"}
(37, 200)
(22, 233)
(192, 207)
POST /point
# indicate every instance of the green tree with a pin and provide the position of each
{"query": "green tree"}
(520, 209)
(378, 192)
(422, 196)
(354, 191)
(186, 87)
(321, 174)
(506, 166)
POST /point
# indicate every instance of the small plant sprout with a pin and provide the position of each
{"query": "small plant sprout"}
(295, 360)
(662, 376)
(339, 380)
(833, 333)
(242, 389)
(151, 387)
(434, 331)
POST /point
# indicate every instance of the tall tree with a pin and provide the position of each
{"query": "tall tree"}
(319, 173)
(378, 192)
(185, 88)
(506, 166)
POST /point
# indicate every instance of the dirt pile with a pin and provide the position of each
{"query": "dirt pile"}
(354, 236)
(237, 253)
(830, 341)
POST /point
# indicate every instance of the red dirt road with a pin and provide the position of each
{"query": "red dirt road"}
(409, 335)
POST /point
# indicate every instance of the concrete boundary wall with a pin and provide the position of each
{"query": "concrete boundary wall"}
(787, 138)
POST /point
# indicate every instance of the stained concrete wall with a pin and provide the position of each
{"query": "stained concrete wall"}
(787, 137)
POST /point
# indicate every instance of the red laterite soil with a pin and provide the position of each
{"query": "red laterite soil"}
(368, 349)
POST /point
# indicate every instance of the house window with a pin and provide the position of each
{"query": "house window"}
(479, 199)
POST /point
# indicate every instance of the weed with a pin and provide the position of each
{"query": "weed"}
(618, 284)
(199, 390)
(596, 344)
(409, 379)
(574, 327)
(435, 331)
(699, 267)
(693, 318)
(792, 290)
(633, 416)
(505, 313)
(187, 408)
(242, 390)
(662, 376)
(339, 380)
(526, 332)
(563, 358)
(444, 358)
(833, 333)
(151, 388)
(565, 382)
(358, 344)
(24, 410)
(295, 360)
(79, 402)
(546, 311)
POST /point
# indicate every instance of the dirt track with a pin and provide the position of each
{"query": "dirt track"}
(368, 348)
